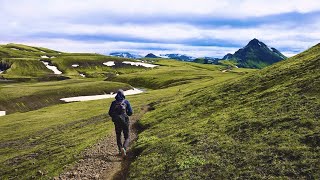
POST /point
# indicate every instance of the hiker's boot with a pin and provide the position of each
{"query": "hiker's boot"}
(123, 153)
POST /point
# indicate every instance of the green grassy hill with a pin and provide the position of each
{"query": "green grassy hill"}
(264, 125)
(92, 65)
(22, 63)
(173, 73)
(24, 51)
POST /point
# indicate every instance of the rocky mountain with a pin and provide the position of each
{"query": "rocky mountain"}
(255, 54)
(150, 55)
(180, 57)
(227, 56)
(125, 55)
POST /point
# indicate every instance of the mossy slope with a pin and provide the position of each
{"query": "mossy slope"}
(22, 62)
(264, 125)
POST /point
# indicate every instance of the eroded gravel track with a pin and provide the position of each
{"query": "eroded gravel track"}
(102, 160)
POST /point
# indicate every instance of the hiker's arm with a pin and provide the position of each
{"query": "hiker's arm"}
(129, 109)
(111, 109)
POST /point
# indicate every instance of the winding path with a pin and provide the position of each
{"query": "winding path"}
(102, 160)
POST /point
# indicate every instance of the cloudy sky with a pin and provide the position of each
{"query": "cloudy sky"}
(192, 27)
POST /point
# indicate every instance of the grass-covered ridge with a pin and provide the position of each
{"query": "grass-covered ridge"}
(173, 73)
(92, 65)
(21, 62)
(25, 67)
(24, 97)
(264, 125)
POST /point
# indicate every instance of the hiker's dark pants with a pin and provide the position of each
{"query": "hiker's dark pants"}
(125, 129)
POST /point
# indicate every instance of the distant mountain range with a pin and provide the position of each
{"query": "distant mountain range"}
(181, 57)
(125, 55)
(255, 54)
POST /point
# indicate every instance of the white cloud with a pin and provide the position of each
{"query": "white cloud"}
(217, 8)
(22, 18)
(277, 36)
(280, 37)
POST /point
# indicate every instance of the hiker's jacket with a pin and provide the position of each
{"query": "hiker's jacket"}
(120, 97)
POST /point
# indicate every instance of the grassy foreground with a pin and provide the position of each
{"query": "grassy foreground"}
(43, 142)
(50, 139)
(262, 126)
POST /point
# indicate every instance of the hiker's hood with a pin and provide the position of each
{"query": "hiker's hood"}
(120, 95)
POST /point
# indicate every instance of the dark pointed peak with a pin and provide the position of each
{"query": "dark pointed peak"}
(255, 43)
(150, 55)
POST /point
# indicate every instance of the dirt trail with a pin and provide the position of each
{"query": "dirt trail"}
(102, 160)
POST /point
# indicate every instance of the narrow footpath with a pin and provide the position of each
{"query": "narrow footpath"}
(102, 161)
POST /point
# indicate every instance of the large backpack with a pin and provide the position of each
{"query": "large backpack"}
(120, 113)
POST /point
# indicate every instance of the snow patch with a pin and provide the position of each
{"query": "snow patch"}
(104, 96)
(52, 68)
(109, 63)
(1, 72)
(15, 49)
(2, 113)
(44, 57)
(140, 64)
(82, 75)
(270, 48)
(52, 57)
(75, 65)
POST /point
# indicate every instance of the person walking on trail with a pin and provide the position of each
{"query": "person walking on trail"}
(120, 110)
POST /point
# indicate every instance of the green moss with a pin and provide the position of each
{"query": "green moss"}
(264, 125)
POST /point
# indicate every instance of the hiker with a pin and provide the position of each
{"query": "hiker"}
(120, 110)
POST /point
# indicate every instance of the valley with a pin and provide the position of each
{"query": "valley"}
(203, 120)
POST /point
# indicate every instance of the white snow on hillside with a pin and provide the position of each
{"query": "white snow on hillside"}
(109, 63)
(52, 68)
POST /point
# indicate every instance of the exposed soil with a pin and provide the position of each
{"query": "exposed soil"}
(102, 161)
